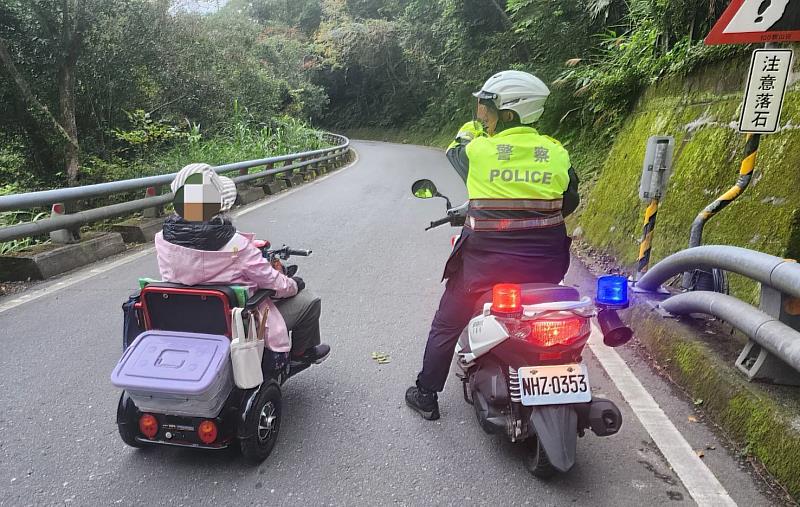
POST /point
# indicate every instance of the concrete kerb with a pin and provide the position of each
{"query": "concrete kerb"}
(139, 230)
(40, 265)
(761, 423)
(247, 194)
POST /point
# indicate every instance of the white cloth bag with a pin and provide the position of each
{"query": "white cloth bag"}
(247, 349)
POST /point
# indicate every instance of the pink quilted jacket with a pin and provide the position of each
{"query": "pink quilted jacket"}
(238, 263)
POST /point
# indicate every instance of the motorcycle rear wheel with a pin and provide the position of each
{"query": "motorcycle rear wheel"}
(536, 460)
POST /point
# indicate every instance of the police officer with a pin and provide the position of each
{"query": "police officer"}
(521, 185)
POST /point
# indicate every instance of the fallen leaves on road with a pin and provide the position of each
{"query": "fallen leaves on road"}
(700, 454)
(692, 418)
(698, 402)
(381, 358)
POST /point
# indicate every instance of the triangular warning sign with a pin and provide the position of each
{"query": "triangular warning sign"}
(749, 21)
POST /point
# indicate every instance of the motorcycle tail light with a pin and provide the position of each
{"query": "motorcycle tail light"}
(506, 299)
(557, 331)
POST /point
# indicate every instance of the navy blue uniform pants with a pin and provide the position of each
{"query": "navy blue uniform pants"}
(456, 309)
(454, 313)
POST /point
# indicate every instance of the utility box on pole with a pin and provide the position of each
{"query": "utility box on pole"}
(657, 167)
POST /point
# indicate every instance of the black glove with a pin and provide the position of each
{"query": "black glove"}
(300, 283)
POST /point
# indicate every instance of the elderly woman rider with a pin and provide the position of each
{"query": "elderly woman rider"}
(213, 252)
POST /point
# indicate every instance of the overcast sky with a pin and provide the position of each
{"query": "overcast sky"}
(201, 6)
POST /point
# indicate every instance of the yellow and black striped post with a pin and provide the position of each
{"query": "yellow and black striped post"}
(647, 238)
(745, 176)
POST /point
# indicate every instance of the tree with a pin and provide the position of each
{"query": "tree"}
(58, 28)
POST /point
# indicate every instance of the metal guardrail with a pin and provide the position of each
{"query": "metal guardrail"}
(775, 336)
(773, 329)
(48, 197)
(782, 274)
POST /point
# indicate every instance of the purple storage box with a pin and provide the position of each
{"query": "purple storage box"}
(170, 372)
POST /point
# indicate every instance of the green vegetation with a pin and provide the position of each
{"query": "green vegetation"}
(698, 111)
(99, 90)
(89, 85)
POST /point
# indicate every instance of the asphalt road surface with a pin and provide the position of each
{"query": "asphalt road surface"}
(347, 437)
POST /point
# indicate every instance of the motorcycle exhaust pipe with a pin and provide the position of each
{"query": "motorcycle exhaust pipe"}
(604, 417)
(615, 333)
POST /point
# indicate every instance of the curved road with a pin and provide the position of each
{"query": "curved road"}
(347, 437)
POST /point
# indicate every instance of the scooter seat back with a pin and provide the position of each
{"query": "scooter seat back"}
(194, 309)
(537, 293)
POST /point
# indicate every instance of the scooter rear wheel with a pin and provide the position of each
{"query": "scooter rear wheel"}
(262, 424)
(536, 460)
(127, 423)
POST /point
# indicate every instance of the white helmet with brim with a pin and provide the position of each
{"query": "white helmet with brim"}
(518, 91)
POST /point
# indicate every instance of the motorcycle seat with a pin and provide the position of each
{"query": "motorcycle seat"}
(537, 293)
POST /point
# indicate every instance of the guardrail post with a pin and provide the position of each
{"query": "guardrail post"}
(245, 194)
(322, 167)
(63, 236)
(155, 211)
(292, 177)
(755, 361)
(309, 171)
(272, 185)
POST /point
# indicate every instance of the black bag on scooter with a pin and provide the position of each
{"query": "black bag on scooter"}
(132, 322)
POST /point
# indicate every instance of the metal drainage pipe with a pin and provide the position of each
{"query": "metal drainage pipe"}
(775, 336)
(781, 274)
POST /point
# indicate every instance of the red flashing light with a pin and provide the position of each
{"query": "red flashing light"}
(148, 425)
(548, 333)
(207, 432)
(506, 299)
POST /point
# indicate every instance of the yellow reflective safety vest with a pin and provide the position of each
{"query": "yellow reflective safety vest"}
(516, 180)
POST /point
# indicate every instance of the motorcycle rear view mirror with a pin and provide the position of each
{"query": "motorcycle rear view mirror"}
(425, 189)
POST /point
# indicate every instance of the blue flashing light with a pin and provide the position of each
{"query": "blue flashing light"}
(612, 291)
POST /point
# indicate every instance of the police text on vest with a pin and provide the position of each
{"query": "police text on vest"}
(519, 175)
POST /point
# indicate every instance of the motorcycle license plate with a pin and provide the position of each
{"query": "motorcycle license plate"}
(554, 385)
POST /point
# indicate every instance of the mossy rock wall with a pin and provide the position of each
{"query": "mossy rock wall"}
(701, 112)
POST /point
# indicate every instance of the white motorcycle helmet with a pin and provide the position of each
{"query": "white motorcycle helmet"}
(521, 92)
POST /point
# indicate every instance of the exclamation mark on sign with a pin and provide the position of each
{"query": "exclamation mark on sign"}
(761, 8)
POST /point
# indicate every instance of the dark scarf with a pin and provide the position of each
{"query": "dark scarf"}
(209, 236)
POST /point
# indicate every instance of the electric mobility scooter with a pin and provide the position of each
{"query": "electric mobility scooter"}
(176, 369)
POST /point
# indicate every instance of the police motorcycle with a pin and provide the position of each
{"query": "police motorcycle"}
(521, 364)
(176, 372)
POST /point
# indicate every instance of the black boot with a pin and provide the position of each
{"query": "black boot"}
(316, 354)
(424, 402)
